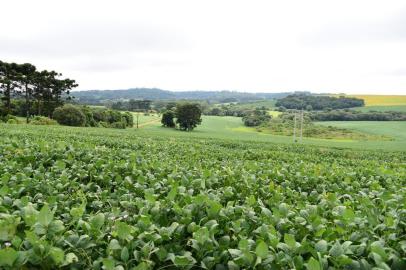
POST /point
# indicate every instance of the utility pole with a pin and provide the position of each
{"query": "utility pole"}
(137, 119)
(301, 125)
(294, 128)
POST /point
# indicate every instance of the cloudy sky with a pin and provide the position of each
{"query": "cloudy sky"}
(255, 46)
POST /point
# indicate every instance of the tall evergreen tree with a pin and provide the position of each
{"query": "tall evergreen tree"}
(42, 91)
(8, 84)
(27, 79)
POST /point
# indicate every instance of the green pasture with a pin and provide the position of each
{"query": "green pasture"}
(145, 119)
(232, 128)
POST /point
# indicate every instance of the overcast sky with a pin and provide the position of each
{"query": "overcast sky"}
(255, 46)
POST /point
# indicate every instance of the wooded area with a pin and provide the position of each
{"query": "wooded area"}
(26, 91)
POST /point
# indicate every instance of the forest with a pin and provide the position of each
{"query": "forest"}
(318, 102)
(353, 115)
(28, 91)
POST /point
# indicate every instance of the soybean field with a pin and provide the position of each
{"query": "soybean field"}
(78, 198)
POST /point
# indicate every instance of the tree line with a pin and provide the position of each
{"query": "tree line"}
(318, 102)
(133, 105)
(352, 115)
(85, 116)
(36, 92)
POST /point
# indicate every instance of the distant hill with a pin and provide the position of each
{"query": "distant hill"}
(101, 96)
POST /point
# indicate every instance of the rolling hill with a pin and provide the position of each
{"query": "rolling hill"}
(98, 96)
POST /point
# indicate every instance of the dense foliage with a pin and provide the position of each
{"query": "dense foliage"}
(239, 109)
(318, 102)
(70, 115)
(80, 116)
(168, 119)
(188, 115)
(40, 91)
(256, 118)
(352, 115)
(81, 199)
(227, 110)
(11, 119)
(42, 120)
(132, 105)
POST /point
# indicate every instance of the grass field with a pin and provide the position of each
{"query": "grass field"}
(145, 119)
(394, 129)
(274, 114)
(232, 128)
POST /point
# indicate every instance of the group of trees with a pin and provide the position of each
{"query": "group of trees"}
(318, 102)
(84, 116)
(256, 118)
(352, 115)
(134, 105)
(234, 109)
(227, 111)
(187, 115)
(35, 92)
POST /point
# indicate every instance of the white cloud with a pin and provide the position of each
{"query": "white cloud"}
(323, 46)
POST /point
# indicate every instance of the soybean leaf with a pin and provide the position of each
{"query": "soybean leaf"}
(45, 216)
(262, 250)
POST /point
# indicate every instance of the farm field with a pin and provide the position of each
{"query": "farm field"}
(382, 100)
(395, 129)
(126, 199)
(232, 128)
(274, 114)
(145, 119)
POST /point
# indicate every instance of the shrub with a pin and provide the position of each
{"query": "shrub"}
(8, 117)
(99, 115)
(129, 119)
(113, 116)
(41, 120)
(86, 116)
(88, 112)
(104, 124)
(121, 125)
(12, 121)
(70, 115)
